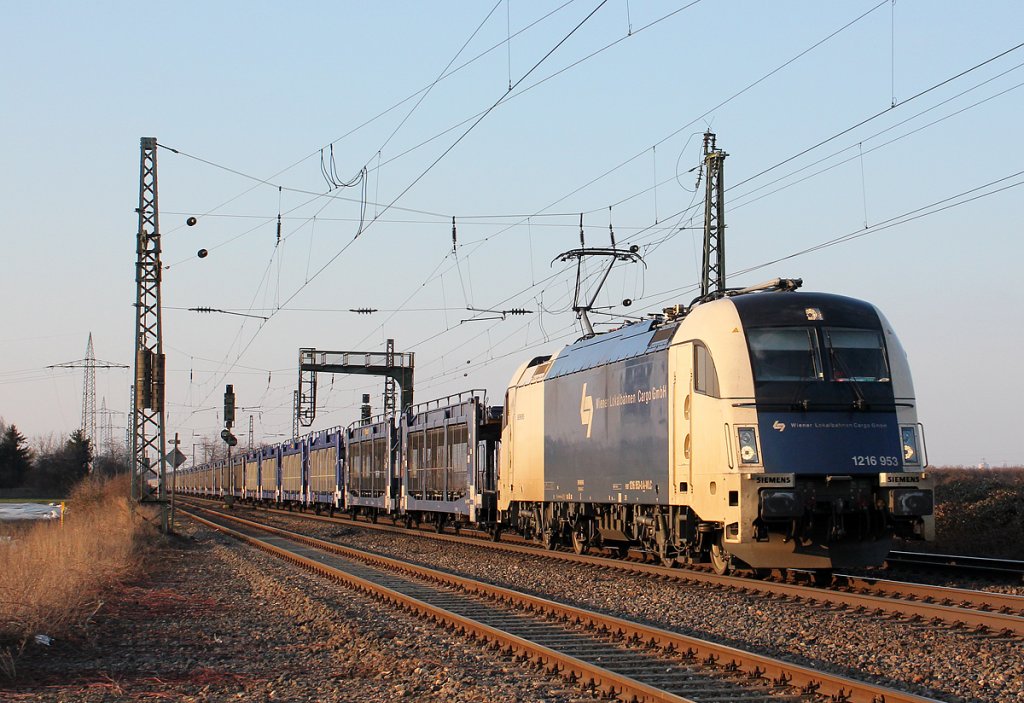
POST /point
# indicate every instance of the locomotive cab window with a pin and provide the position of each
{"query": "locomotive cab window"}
(857, 355)
(705, 378)
(785, 354)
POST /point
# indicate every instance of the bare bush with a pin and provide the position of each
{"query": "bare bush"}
(54, 575)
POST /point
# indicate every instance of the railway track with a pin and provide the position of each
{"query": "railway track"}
(951, 562)
(993, 614)
(600, 653)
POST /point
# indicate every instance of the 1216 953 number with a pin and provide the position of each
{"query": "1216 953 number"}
(872, 460)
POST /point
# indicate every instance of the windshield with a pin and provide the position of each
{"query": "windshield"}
(785, 354)
(794, 354)
(857, 355)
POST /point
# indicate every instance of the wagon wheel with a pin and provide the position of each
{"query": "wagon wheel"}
(580, 538)
(550, 539)
(408, 522)
(721, 561)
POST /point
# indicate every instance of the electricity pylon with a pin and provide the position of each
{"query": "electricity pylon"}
(90, 363)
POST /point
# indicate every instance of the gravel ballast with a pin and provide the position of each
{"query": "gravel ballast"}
(937, 662)
(218, 621)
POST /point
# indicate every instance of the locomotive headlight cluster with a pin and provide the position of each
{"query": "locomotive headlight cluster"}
(911, 451)
(748, 445)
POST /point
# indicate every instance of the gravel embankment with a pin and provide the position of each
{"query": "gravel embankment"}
(219, 621)
(939, 663)
(978, 512)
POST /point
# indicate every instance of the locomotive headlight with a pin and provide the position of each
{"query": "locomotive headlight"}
(748, 445)
(911, 455)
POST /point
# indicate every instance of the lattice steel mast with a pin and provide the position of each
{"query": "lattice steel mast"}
(105, 426)
(89, 364)
(149, 458)
(390, 387)
(713, 271)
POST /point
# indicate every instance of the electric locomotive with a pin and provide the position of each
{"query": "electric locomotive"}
(764, 428)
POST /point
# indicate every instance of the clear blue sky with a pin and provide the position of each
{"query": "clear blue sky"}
(255, 90)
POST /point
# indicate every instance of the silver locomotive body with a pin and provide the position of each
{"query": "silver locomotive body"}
(769, 429)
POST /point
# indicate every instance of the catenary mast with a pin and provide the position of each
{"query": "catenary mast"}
(148, 441)
(713, 271)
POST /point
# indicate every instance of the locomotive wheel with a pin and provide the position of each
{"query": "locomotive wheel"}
(721, 562)
(580, 540)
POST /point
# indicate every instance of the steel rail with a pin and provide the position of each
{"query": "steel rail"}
(958, 598)
(997, 613)
(554, 662)
(804, 679)
(1003, 567)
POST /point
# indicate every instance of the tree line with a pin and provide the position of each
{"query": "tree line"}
(50, 471)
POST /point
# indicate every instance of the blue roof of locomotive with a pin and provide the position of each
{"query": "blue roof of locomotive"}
(609, 347)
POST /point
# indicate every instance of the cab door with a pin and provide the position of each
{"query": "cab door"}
(681, 423)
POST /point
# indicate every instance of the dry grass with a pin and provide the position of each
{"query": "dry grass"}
(53, 576)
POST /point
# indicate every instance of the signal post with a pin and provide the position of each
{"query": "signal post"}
(226, 434)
